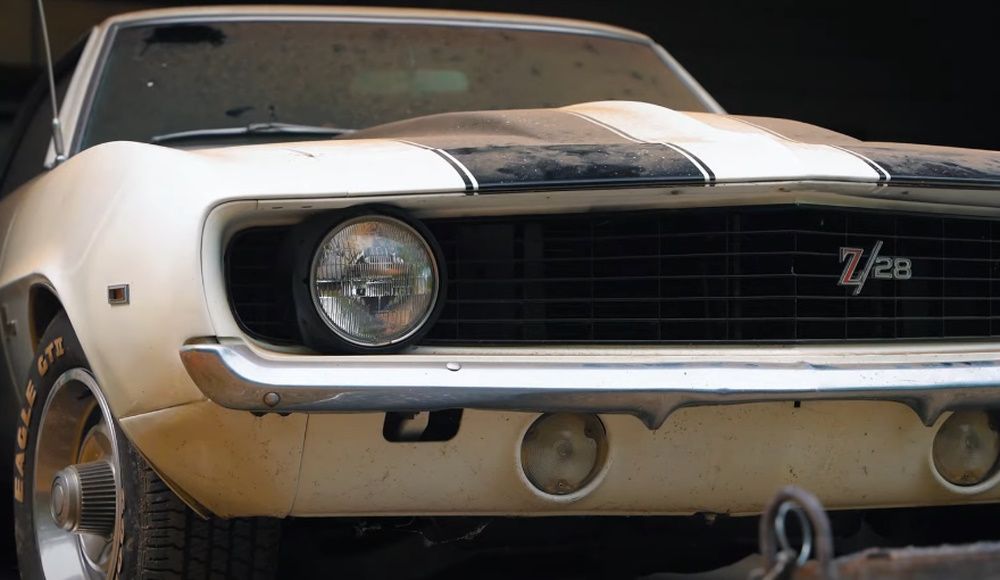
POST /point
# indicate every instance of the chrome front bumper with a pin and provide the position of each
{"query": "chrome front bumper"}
(234, 375)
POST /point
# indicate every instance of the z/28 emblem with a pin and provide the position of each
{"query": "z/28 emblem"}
(879, 267)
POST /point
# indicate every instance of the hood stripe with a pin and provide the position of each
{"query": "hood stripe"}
(604, 125)
(471, 183)
(625, 162)
(735, 151)
(762, 128)
(702, 166)
(471, 186)
(883, 175)
(509, 168)
(630, 144)
(923, 166)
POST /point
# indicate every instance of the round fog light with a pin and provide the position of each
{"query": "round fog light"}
(561, 453)
(966, 448)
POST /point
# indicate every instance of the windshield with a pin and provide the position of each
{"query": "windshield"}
(352, 75)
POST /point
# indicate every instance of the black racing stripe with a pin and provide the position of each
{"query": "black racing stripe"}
(519, 168)
(882, 175)
(932, 166)
(708, 170)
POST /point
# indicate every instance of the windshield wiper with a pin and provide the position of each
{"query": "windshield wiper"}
(252, 129)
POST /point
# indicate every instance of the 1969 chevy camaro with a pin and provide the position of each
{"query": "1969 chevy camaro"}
(352, 262)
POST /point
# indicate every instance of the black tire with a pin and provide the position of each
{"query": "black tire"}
(160, 537)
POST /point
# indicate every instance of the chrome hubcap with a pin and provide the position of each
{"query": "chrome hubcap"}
(83, 498)
(62, 512)
(76, 498)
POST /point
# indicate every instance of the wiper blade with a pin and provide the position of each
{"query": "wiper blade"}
(252, 129)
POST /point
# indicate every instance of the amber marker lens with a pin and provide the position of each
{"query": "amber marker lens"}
(562, 453)
(966, 448)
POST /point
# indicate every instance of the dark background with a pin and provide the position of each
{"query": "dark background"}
(890, 71)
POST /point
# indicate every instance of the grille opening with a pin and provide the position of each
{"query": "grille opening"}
(259, 285)
(725, 275)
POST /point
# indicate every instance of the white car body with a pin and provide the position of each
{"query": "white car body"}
(159, 219)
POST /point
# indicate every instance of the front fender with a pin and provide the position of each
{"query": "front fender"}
(119, 213)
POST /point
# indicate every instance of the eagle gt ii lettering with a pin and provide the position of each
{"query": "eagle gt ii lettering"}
(881, 267)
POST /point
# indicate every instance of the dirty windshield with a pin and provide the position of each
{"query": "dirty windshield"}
(163, 79)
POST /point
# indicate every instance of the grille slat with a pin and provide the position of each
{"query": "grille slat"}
(690, 276)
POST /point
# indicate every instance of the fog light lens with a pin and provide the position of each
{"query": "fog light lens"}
(966, 448)
(375, 280)
(563, 452)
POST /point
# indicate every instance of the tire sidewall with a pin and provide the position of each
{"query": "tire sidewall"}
(58, 351)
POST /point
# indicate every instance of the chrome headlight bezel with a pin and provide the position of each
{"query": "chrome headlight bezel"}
(318, 331)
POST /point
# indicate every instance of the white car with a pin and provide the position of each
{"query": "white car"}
(357, 262)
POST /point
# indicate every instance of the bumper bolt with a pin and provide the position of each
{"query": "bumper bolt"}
(271, 399)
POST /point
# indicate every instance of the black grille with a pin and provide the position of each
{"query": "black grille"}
(260, 284)
(733, 275)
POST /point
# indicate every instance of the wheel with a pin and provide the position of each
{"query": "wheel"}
(87, 505)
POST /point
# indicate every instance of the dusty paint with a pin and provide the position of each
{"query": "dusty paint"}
(231, 463)
(851, 455)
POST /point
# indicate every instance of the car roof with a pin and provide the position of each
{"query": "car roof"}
(360, 13)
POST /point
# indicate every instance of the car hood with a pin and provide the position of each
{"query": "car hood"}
(627, 142)
(602, 145)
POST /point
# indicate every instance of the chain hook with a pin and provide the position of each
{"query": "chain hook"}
(816, 533)
(781, 533)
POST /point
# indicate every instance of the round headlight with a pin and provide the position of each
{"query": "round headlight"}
(374, 280)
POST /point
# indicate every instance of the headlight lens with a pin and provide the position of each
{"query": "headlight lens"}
(374, 280)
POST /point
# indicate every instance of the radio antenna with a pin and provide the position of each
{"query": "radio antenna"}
(57, 135)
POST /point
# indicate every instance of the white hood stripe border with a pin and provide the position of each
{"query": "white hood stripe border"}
(701, 165)
(883, 175)
(471, 185)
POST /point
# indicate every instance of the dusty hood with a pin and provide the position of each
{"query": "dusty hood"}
(588, 146)
(626, 143)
